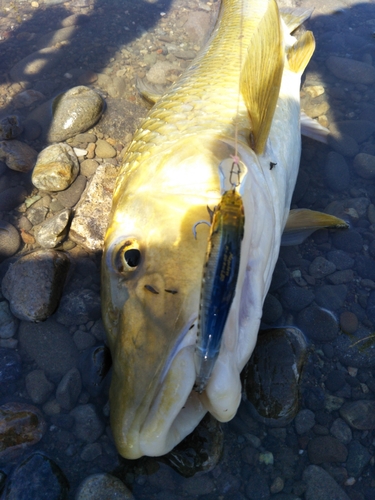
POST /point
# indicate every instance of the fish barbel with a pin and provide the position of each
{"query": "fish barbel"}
(227, 103)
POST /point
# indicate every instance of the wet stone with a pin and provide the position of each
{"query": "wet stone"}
(37, 215)
(321, 267)
(12, 197)
(257, 487)
(10, 368)
(280, 275)
(360, 130)
(295, 298)
(359, 414)
(69, 389)
(37, 478)
(71, 196)
(87, 425)
(159, 71)
(271, 377)
(33, 284)
(38, 386)
(358, 458)
(18, 155)
(343, 144)
(331, 296)
(336, 172)
(335, 380)
(74, 112)
(8, 323)
(78, 307)
(321, 485)
(30, 68)
(365, 267)
(356, 350)
(89, 167)
(10, 127)
(104, 150)
(9, 240)
(341, 431)
(340, 277)
(350, 70)
(326, 449)
(364, 165)
(83, 340)
(50, 345)
(94, 365)
(348, 322)
(318, 324)
(350, 241)
(304, 421)
(21, 426)
(56, 168)
(54, 230)
(272, 310)
(99, 486)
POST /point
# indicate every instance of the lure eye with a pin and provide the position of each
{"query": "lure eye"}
(126, 256)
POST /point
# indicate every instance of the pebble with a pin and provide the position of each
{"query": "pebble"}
(356, 351)
(57, 36)
(323, 449)
(349, 241)
(304, 421)
(359, 414)
(350, 70)
(365, 267)
(358, 458)
(69, 389)
(79, 307)
(158, 72)
(280, 275)
(321, 486)
(87, 425)
(321, 267)
(257, 487)
(95, 364)
(37, 478)
(38, 386)
(89, 167)
(17, 155)
(340, 277)
(359, 130)
(37, 214)
(33, 284)
(32, 66)
(8, 323)
(318, 324)
(364, 165)
(10, 127)
(341, 431)
(56, 168)
(74, 112)
(9, 240)
(295, 298)
(50, 345)
(337, 172)
(54, 230)
(21, 426)
(104, 150)
(87, 228)
(348, 322)
(10, 368)
(12, 197)
(343, 144)
(91, 451)
(99, 486)
(27, 98)
(331, 296)
(272, 310)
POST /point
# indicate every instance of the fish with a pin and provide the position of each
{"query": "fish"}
(239, 98)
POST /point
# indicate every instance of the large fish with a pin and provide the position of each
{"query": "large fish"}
(240, 98)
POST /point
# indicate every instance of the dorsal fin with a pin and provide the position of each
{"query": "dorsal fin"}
(261, 75)
(300, 53)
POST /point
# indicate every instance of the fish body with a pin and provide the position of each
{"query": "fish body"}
(219, 282)
(240, 97)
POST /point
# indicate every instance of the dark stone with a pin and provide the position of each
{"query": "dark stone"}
(343, 144)
(359, 414)
(321, 485)
(337, 172)
(12, 198)
(331, 296)
(280, 276)
(318, 324)
(350, 241)
(257, 487)
(358, 458)
(87, 426)
(95, 364)
(10, 367)
(296, 298)
(365, 267)
(359, 130)
(326, 449)
(315, 399)
(335, 380)
(69, 197)
(78, 307)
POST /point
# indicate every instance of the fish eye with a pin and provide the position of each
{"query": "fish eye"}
(126, 256)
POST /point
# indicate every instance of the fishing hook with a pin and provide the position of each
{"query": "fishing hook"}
(197, 224)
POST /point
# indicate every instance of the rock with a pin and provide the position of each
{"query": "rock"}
(27, 97)
(296, 298)
(37, 214)
(186, 55)
(79, 307)
(56, 168)
(360, 130)
(32, 66)
(12, 197)
(343, 144)
(326, 449)
(351, 71)
(89, 167)
(33, 284)
(8, 323)
(335, 380)
(99, 486)
(271, 377)
(337, 172)
(356, 350)
(257, 487)
(87, 425)
(38, 386)
(21, 426)
(53, 37)
(359, 414)
(280, 275)
(340, 277)
(304, 421)
(318, 324)
(364, 165)
(350, 240)
(50, 345)
(321, 267)
(10, 127)
(348, 322)
(197, 26)
(158, 73)
(91, 451)
(71, 196)
(341, 431)
(37, 478)
(9, 240)
(69, 389)
(10, 368)
(17, 155)
(341, 259)
(91, 215)
(321, 485)
(272, 310)
(358, 458)
(74, 111)
(365, 267)
(54, 230)
(104, 150)
(95, 364)
(331, 296)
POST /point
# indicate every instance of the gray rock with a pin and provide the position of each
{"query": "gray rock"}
(89, 167)
(341, 259)
(34, 65)
(343, 144)
(272, 309)
(257, 487)
(10, 127)
(50, 345)
(336, 172)
(364, 165)
(349, 240)
(74, 111)
(12, 197)
(358, 458)
(9, 240)
(33, 284)
(341, 431)
(365, 267)
(280, 275)
(87, 425)
(27, 97)
(54, 230)
(91, 215)
(69, 389)
(318, 324)
(321, 485)
(56, 168)
(360, 130)
(355, 350)
(340, 277)
(331, 296)
(78, 307)
(304, 421)
(57, 36)
(18, 155)
(186, 55)
(99, 486)
(104, 150)
(296, 298)
(321, 267)
(323, 449)
(38, 386)
(36, 214)
(91, 451)
(159, 71)
(350, 70)
(72, 195)
(8, 323)
(359, 414)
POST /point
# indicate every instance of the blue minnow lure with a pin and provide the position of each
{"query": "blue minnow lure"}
(219, 282)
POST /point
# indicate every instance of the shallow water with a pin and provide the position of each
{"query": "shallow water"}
(120, 41)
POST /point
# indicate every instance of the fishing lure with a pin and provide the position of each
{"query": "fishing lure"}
(219, 281)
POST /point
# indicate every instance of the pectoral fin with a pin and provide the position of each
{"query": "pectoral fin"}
(302, 222)
(312, 129)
